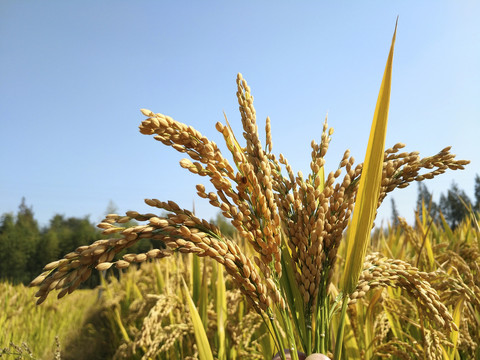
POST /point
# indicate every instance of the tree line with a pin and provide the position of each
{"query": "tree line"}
(25, 247)
(455, 205)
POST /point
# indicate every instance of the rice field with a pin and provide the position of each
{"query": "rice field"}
(301, 276)
(39, 332)
(144, 312)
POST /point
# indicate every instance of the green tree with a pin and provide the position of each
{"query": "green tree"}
(28, 236)
(48, 248)
(426, 197)
(477, 192)
(395, 214)
(61, 237)
(452, 205)
(19, 236)
(12, 259)
(72, 232)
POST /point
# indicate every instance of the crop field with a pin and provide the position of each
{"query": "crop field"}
(298, 272)
(144, 313)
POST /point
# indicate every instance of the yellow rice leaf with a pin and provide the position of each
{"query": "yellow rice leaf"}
(370, 181)
(426, 217)
(448, 231)
(392, 316)
(159, 278)
(457, 317)
(352, 350)
(474, 220)
(221, 312)
(444, 352)
(426, 229)
(204, 350)
(236, 144)
(203, 300)
(369, 323)
(350, 341)
(196, 279)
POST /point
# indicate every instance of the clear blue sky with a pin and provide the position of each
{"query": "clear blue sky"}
(74, 74)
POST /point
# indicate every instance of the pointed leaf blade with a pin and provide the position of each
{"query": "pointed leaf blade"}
(370, 181)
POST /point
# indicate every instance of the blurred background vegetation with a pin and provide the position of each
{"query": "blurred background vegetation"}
(113, 317)
(25, 247)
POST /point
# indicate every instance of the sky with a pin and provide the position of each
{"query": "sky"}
(74, 74)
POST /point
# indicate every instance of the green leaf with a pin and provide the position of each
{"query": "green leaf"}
(392, 316)
(204, 289)
(369, 326)
(368, 193)
(221, 300)
(196, 279)
(457, 317)
(448, 231)
(370, 181)
(292, 294)
(204, 350)
(426, 241)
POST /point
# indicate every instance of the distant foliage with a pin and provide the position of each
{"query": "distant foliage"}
(426, 197)
(477, 192)
(25, 247)
(224, 225)
(454, 205)
(19, 236)
(395, 214)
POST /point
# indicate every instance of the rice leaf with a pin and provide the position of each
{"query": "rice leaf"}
(425, 231)
(473, 219)
(204, 289)
(370, 181)
(448, 231)
(392, 316)
(236, 144)
(339, 341)
(292, 294)
(204, 350)
(266, 341)
(196, 279)
(350, 342)
(369, 327)
(457, 317)
(425, 244)
(159, 279)
(221, 300)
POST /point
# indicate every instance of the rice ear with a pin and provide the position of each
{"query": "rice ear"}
(370, 182)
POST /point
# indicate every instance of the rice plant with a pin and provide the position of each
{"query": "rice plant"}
(144, 314)
(294, 225)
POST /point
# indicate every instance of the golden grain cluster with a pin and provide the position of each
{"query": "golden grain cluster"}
(276, 211)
